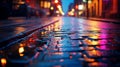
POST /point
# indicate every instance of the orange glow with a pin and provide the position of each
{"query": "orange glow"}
(21, 55)
(94, 53)
(89, 60)
(94, 64)
(89, 48)
(87, 41)
(89, 1)
(48, 4)
(19, 29)
(21, 45)
(42, 3)
(59, 53)
(3, 61)
(76, 6)
(45, 4)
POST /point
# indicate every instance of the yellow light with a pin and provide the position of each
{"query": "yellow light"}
(73, 10)
(94, 42)
(56, 1)
(21, 50)
(71, 13)
(60, 9)
(89, 1)
(59, 6)
(3, 61)
(51, 8)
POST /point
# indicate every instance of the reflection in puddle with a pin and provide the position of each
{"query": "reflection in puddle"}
(61, 60)
(89, 59)
(97, 64)
(91, 42)
(59, 53)
(94, 53)
(94, 42)
(57, 66)
(21, 50)
(3, 62)
(19, 29)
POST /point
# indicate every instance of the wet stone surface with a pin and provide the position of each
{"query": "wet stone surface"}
(71, 46)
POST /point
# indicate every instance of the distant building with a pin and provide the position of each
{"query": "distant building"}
(104, 8)
(99, 8)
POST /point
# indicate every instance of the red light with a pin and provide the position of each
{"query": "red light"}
(27, 1)
(76, 6)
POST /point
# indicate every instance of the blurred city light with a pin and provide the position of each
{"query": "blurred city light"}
(52, 8)
(56, 1)
(73, 9)
(59, 6)
(42, 3)
(80, 7)
(45, 4)
(21, 50)
(57, 11)
(3, 62)
(85, 1)
(60, 9)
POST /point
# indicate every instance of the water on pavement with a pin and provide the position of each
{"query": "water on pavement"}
(71, 42)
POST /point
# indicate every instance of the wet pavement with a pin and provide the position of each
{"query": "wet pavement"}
(70, 42)
(18, 27)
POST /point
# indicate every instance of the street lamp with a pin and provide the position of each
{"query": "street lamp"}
(80, 7)
(52, 8)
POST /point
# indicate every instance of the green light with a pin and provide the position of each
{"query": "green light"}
(84, 1)
(89, 1)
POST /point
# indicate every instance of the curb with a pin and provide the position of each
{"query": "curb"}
(17, 38)
(107, 21)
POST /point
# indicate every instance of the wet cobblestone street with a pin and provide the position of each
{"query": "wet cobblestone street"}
(69, 42)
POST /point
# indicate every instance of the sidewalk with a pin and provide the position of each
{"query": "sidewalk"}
(106, 20)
